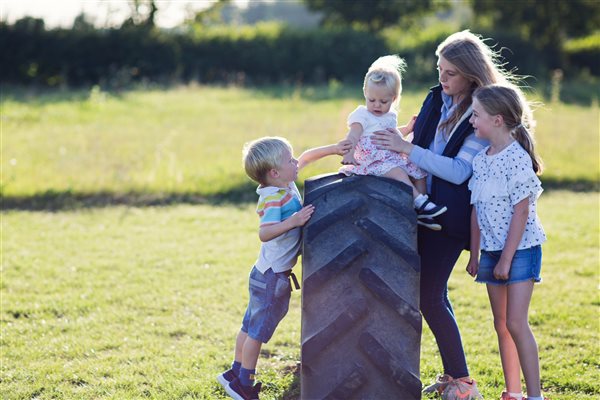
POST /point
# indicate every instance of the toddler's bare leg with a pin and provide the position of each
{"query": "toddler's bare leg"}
(420, 185)
(400, 175)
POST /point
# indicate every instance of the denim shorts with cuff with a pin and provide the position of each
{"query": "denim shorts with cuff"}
(269, 303)
(526, 266)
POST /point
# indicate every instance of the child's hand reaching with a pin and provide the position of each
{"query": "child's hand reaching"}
(408, 128)
(349, 159)
(343, 147)
(301, 217)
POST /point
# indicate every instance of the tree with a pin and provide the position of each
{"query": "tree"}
(543, 23)
(143, 14)
(373, 14)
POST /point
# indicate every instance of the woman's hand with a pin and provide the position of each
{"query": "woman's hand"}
(391, 140)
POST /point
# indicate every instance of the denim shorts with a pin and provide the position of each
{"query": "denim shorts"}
(269, 303)
(526, 266)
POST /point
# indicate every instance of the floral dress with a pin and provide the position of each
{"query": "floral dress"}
(374, 161)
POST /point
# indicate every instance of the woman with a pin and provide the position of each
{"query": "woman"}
(444, 145)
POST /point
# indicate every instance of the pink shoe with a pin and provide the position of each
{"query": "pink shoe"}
(461, 389)
(441, 381)
(505, 396)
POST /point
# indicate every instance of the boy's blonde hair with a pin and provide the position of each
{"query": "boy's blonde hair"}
(262, 155)
(387, 71)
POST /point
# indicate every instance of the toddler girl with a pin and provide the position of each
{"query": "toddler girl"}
(382, 88)
(504, 224)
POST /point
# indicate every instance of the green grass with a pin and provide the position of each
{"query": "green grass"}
(130, 301)
(188, 140)
(127, 303)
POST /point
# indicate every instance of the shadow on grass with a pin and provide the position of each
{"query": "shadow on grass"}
(238, 195)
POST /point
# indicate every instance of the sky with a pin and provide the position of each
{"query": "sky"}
(102, 12)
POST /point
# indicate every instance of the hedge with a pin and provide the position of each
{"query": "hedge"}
(264, 53)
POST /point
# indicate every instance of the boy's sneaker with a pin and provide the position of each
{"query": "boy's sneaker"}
(226, 377)
(429, 223)
(240, 392)
(430, 210)
(439, 385)
(461, 389)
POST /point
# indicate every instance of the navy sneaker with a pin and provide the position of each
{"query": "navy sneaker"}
(434, 211)
(226, 377)
(429, 223)
(240, 392)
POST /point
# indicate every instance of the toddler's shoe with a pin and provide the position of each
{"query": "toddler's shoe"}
(506, 396)
(226, 377)
(461, 389)
(240, 392)
(429, 210)
(429, 223)
(439, 385)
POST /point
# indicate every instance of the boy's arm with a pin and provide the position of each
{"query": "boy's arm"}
(353, 136)
(317, 153)
(270, 232)
(473, 265)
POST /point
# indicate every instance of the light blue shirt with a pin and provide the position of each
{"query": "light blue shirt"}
(455, 170)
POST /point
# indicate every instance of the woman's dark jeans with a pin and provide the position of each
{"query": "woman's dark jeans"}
(438, 254)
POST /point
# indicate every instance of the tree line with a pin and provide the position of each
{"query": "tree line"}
(541, 35)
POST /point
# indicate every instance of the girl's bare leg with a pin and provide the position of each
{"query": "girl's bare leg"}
(517, 321)
(508, 351)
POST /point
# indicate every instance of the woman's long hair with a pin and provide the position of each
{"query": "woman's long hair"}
(477, 62)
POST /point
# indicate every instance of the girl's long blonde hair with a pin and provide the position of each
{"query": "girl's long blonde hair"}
(477, 62)
(509, 102)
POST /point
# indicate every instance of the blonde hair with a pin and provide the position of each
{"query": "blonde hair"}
(475, 61)
(387, 71)
(262, 155)
(509, 102)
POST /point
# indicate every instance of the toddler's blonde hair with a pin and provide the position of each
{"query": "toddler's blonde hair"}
(387, 71)
(262, 155)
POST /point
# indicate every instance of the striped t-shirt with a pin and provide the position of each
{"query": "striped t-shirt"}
(276, 205)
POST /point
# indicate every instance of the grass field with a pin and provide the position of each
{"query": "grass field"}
(139, 300)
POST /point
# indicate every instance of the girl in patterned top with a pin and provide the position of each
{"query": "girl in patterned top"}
(382, 88)
(505, 226)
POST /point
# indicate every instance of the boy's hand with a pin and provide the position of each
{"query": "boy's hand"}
(349, 159)
(408, 128)
(301, 217)
(343, 147)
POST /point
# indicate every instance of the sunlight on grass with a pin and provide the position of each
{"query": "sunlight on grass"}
(146, 302)
(189, 139)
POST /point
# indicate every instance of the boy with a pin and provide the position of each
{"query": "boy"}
(269, 162)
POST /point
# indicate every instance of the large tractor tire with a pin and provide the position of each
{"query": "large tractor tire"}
(361, 326)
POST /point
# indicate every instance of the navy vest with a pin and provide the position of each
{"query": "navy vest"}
(456, 221)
